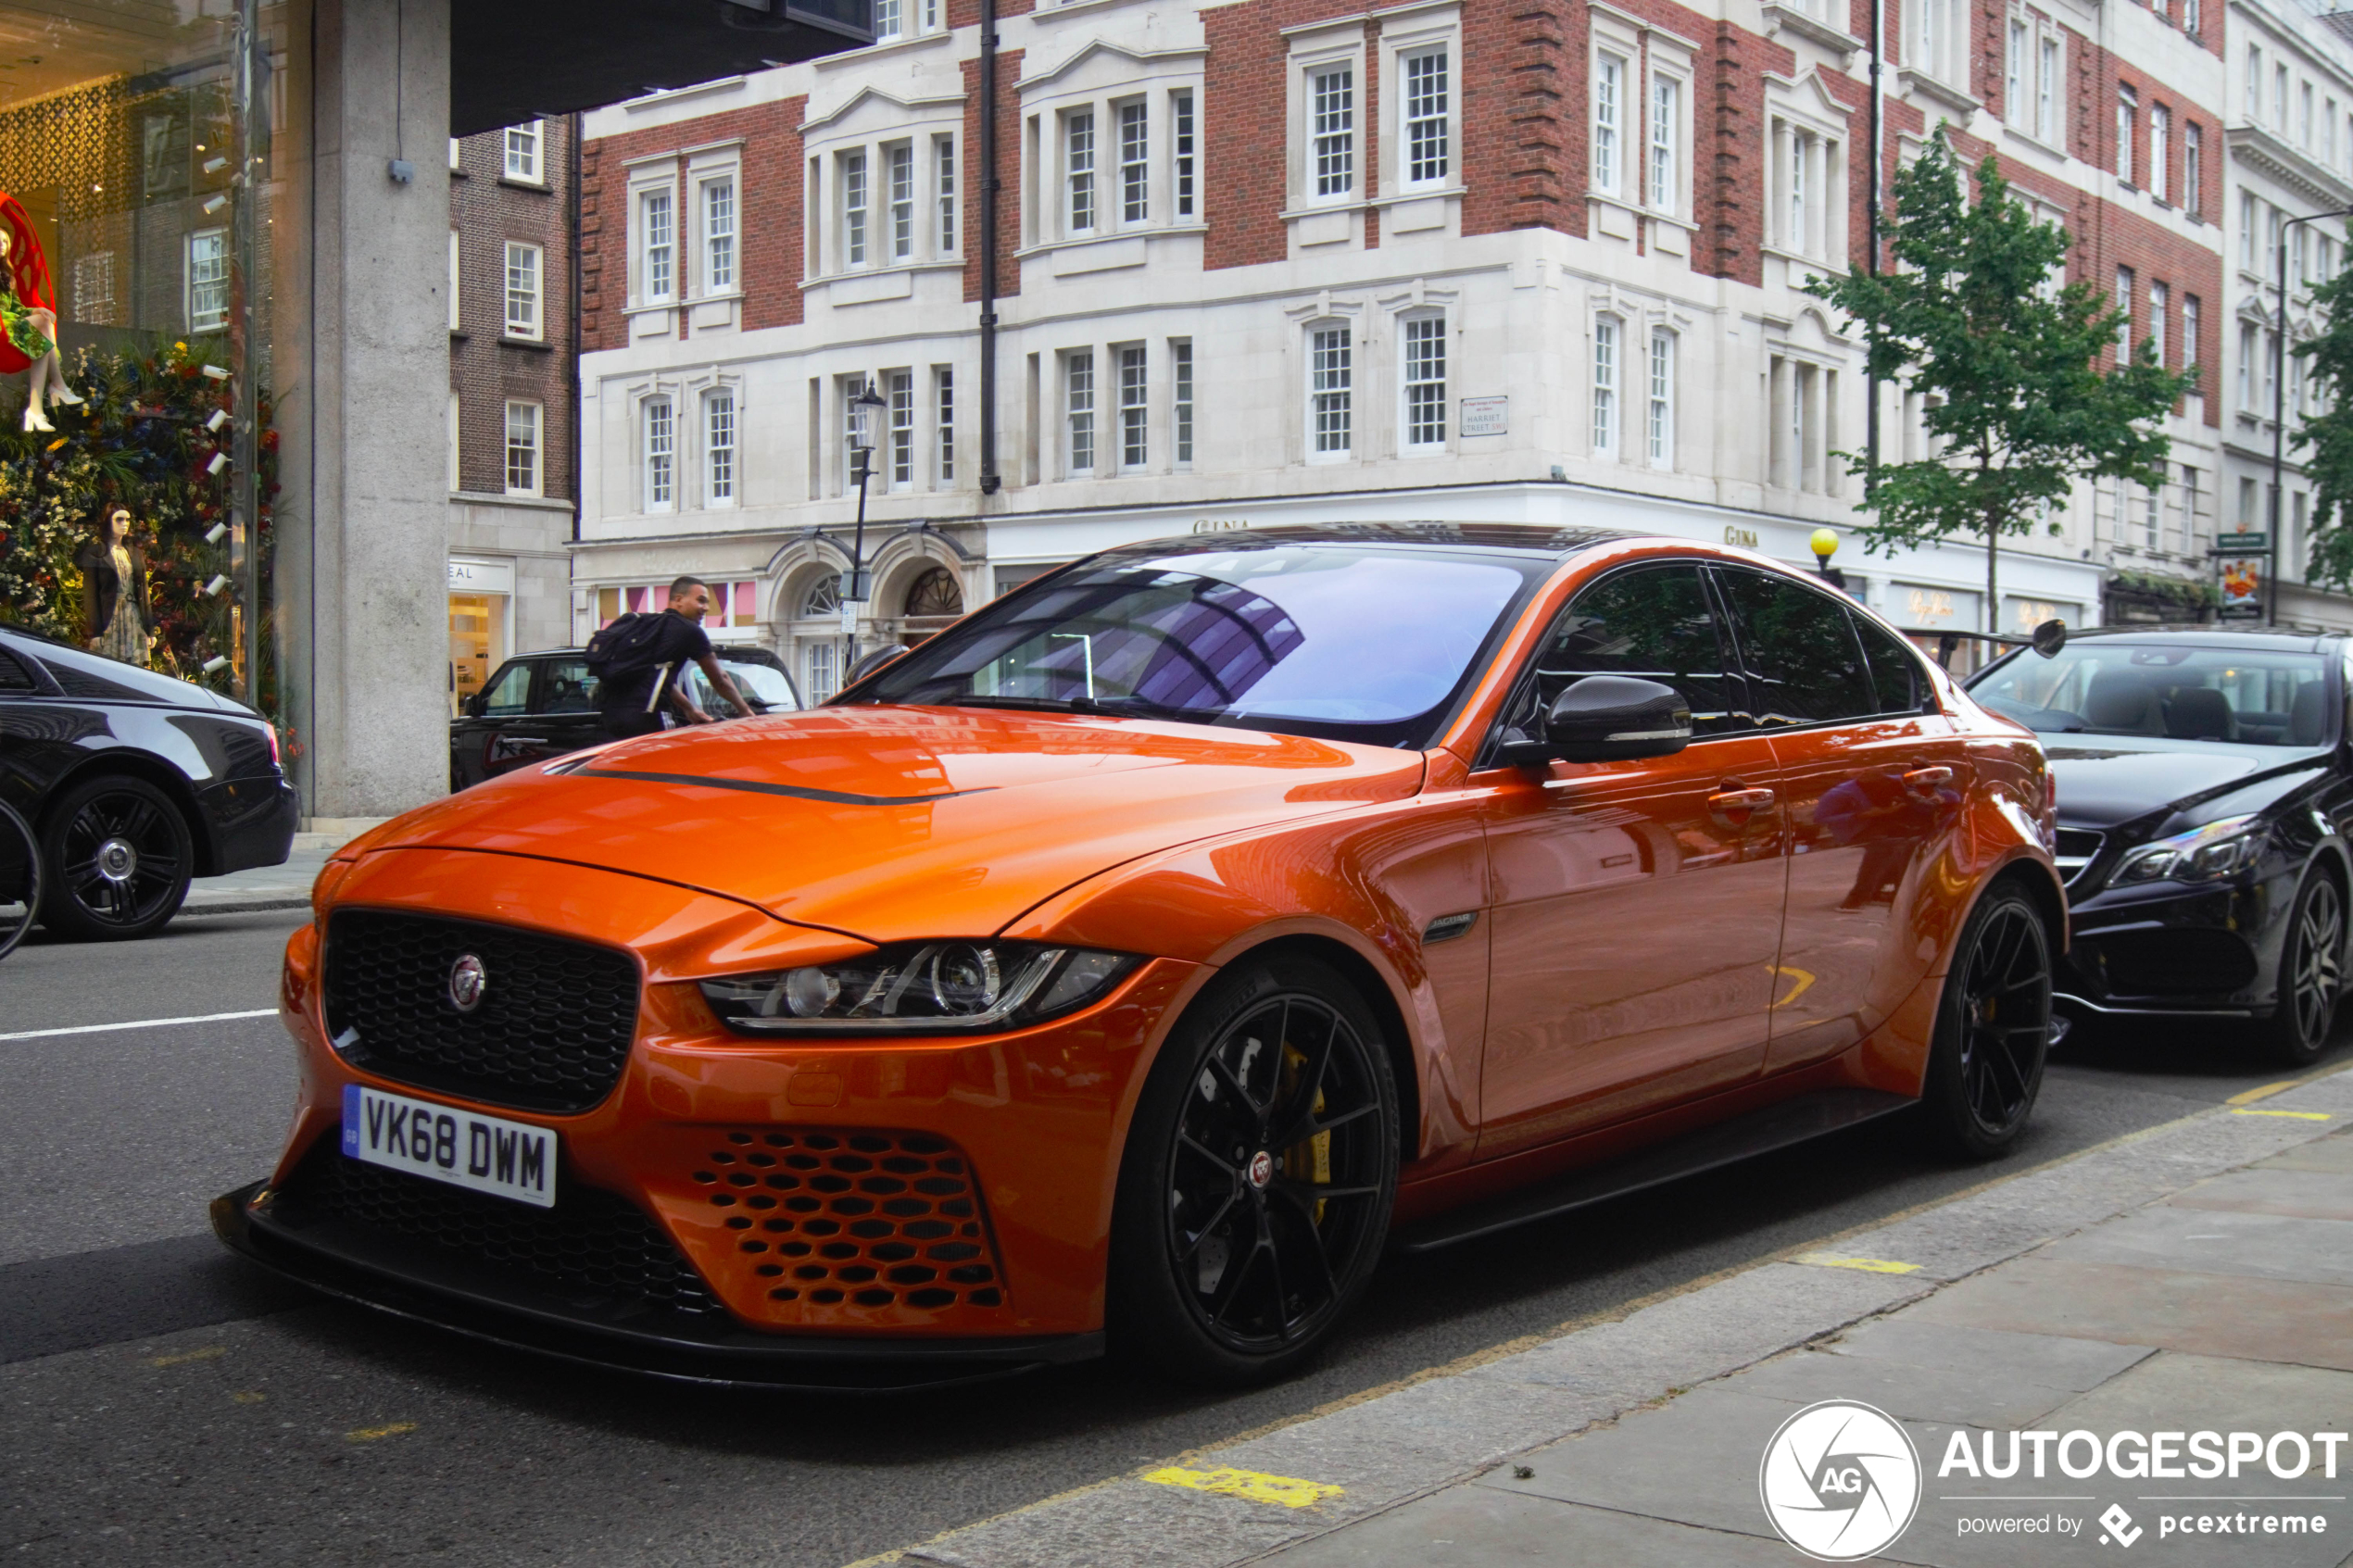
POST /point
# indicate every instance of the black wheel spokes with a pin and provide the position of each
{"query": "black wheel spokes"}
(2006, 1018)
(2316, 974)
(127, 900)
(1277, 1149)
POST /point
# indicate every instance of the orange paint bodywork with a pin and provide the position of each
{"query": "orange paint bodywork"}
(1630, 971)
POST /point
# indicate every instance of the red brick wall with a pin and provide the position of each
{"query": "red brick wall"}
(768, 215)
(1245, 163)
(1523, 92)
(1008, 173)
(485, 373)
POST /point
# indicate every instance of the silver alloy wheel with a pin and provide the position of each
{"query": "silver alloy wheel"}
(2318, 963)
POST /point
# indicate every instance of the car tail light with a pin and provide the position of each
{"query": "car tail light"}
(275, 760)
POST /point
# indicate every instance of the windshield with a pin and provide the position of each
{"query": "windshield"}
(764, 683)
(1331, 640)
(2196, 694)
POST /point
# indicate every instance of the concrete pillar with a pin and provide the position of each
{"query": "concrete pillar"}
(362, 566)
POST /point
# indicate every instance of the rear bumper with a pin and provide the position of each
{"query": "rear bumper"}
(429, 1285)
(251, 822)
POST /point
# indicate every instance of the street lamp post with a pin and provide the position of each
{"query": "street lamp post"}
(2279, 420)
(863, 410)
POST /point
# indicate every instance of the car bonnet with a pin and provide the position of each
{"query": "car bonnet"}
(891, 824)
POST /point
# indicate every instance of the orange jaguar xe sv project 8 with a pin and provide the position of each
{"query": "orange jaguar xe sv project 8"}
(1133, 963)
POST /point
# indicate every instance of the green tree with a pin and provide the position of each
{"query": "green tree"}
(2328, 434)
(2021, 392)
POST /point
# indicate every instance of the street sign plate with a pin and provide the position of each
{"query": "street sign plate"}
(2253, 542)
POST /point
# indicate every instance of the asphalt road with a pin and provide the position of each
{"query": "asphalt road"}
(162, 1403)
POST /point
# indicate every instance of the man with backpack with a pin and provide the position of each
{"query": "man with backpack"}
(636, 658)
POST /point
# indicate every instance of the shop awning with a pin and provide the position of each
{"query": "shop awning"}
(513, 60)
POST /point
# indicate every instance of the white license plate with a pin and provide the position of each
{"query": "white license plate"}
(463, 1147)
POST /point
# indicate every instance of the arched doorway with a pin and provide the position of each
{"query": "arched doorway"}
(935, 599)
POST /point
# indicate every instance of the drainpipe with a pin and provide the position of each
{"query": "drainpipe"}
(1871, 269)
(572, 242)
(990, 480)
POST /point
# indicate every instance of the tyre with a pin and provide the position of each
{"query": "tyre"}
(1992, 1029)
(2311, 973)
(1255, 1195)
(118, 859)
(20, 879)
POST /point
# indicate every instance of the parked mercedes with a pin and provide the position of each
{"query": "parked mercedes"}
(1134, 961)
(133, 782)
(2204, 803)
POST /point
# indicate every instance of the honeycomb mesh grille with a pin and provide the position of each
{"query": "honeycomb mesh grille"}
(551, 1033)
(591, 1240)
(871, 1220)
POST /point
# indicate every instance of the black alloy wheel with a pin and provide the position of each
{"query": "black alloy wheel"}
(118, 859)
(2311, 973)
(20, 879)
(1255, 1195)
(1993, 1028)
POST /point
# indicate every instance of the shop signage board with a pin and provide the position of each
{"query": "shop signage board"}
(2247, 542)
(2242, 580)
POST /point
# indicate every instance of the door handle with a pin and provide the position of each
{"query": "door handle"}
(1928, 778)
(1740, 801)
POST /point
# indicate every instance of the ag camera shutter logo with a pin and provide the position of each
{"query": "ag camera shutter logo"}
(1840, 1481)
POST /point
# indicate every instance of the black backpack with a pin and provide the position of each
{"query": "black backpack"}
(624, 646)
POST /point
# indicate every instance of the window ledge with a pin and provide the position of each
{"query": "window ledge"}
(1454, 191)
(541, 344)
(1316, 209)
(1799, 259)
(1112, 236)
(819, 280)
(2018, 134)
(1910, 80)
(1779, 18)
(512, 183)
(649, 309)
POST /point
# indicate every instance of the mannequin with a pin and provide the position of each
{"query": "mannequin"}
(114, 591)
(28, 315)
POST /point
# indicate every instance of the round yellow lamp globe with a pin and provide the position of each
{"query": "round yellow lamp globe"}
(1825, 543)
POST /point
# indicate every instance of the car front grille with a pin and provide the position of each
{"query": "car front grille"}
(591, 1241)
(2078, 847)
(551, 1032)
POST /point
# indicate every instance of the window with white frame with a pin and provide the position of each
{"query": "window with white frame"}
(2128, 112)
(2298, 252)
(819, 662)
(1609, 123)
(2193, 169)
(855, 199)
(2160, 152)
(2020, 45)
(522, 290)
(1938, 45)
(1664, 159)
(943, 164)
(943, 386)
(2191, 311)
(1078, 171)
(1135, 413)
(522, 447)
(208, 285)
(1660, 427)
(1180, 363)
(898, 390)
(457, 320)
(2190, 17)
(2246, 231)
(523, 156)
(2160, 316)
(659, 423)
(719, 446)
(1331, 393)
(1078, 412)
(2304, 127)
(456, 156)
(2049, 85)
(2123, 315)
(1607, 346)
(2247, 367)
(2254, 82)
(901, 159)
(1180, 136)
(2279, 97)
(2189, 510)
(1425, 77)
(1331, 132)
(1135, 162)
(1422, 343)
(1806, 183)
(718, 235)
(657, 247)
(890, 20)
(2328, 134)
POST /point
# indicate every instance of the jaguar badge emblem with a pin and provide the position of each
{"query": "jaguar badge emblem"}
(467, 983)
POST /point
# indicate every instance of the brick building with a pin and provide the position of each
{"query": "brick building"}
(1285, 260)
(513, 444)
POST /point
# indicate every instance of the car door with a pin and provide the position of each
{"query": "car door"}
(481, 738)
(564, 712)
(1636, 906)
(1873, 776)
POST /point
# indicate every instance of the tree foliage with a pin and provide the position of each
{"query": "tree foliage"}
(142, 440)
(2328, 435)
(2021, 390)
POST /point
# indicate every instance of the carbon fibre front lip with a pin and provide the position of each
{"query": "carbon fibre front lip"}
(408, 1282)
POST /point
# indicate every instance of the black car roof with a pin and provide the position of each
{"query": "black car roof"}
(1542, 540)
(2273, 637)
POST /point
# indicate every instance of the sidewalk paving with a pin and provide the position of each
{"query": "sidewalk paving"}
(2195, 1277)
(284, 886)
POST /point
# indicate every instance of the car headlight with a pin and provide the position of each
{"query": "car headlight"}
(2201, 855)
(918, 988)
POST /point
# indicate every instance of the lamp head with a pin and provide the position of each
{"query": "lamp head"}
(1825, 543)
(864, 409)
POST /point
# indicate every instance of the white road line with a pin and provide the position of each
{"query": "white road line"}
(138, 1023)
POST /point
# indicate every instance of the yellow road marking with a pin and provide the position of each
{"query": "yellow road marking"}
(2298, 1115)
(208, 1353)
(2266, 1092)
(1868, 1265)
(247, 1396)
(1286, 1490)
(369, 1434)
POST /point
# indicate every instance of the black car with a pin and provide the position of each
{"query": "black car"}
(133, 782)
(542, 705)
(2204, 801)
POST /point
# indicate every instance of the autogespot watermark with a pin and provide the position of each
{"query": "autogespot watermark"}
(1842, 1480)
